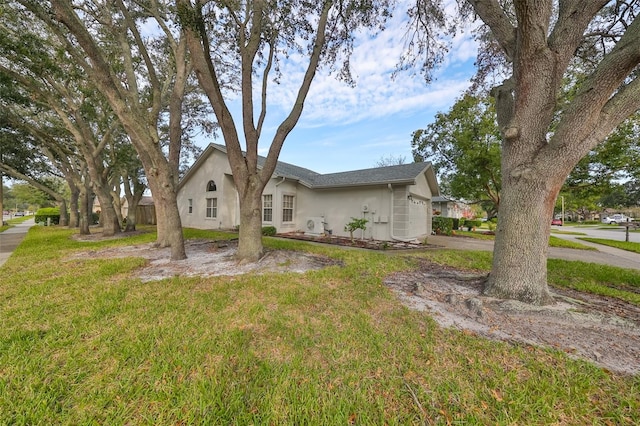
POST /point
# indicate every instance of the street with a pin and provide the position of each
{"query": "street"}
(611, 233)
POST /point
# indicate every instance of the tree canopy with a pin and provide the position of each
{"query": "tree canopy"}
(464, 147)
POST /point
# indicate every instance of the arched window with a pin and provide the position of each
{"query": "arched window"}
(211, 186)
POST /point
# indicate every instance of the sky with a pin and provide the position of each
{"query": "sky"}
(350, 128)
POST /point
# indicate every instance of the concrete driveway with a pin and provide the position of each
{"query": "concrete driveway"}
(12, 237)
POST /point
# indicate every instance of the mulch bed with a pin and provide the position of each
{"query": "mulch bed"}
(346, 241)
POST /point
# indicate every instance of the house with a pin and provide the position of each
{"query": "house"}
(396, 200)
(447, 207)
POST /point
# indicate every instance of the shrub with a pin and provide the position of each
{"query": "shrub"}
(269, 231)
(442, 225)
(43, 214)
(470, 224)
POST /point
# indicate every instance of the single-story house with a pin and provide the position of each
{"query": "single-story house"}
(447, 207)
(396, 200)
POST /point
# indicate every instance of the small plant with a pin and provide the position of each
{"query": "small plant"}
(268, 231)
(355, 224)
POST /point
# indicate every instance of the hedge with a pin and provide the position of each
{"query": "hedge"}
(46, 213)
(442, 225)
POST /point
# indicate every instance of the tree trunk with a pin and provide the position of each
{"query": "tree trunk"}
(250, 247)
(74, 220)
(85, 212)
(108, 217)
(64, 213)
(133, 199)
(1, 198)
(169, 225)
(117, 203)
(131, 217)
(133, 192)
(519, 268)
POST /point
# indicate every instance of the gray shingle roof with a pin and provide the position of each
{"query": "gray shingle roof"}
(404, 173)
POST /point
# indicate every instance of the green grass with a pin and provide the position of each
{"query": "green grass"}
(476, 235)
(557, 231)
(624, 245)
(82, 342)
(560, 242)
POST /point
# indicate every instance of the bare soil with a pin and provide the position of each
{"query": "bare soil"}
(207, 258)
(603, 330)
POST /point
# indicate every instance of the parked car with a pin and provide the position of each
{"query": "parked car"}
(556, 222)
(19, 214)
(616, 218)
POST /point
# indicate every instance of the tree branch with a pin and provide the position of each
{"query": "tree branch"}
(290, 121)
(503, 30)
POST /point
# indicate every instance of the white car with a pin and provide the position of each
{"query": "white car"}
(615, 219)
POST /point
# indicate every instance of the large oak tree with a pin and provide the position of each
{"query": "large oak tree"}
(133, 54)
(238, 45)
(545, 135)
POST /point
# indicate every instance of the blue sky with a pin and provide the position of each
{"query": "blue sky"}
(348, 128)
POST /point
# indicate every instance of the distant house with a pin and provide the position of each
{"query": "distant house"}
(396, 200)
(145, 212)
(447, 207)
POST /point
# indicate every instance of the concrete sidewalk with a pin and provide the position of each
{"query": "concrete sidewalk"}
(12, 237)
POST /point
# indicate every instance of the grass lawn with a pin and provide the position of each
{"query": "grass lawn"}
(624, 245)
(82, 342)
(557, 231)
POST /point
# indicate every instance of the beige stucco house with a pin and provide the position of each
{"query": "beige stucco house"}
(396, 200)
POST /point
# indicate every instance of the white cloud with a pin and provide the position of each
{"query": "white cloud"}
(332, 102)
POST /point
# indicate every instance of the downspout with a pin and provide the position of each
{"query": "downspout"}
(275, 196)
(393, 237)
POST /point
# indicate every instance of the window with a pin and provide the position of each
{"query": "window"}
(212, 208)
(287, 208)
(211, 186)
(267, 208)
(190, 205)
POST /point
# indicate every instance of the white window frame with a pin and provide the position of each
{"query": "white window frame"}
(267, 207)
(211, 211)
(288, 207)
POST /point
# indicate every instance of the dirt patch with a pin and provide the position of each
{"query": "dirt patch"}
(603, 330)
(206, 258)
